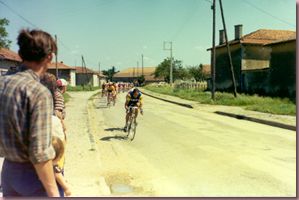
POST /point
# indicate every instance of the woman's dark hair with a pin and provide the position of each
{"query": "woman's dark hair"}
(49, 80)
(35, 45)
(135, 90)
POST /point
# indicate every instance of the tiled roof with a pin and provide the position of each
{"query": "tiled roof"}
(148, 73)
(60, 65)
(81, 70)
(206, 69)
(9, 55)
(282, 41)
(269, 35)
(262, 37)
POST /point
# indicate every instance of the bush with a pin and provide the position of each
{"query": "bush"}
(66, 97)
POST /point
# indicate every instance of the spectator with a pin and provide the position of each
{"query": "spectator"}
(49, 80)
(59, 103)
(58, 145)
(26, 119)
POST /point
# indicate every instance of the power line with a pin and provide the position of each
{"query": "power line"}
(209, 1)
(27, 21)
(15, 12)
(269, 14)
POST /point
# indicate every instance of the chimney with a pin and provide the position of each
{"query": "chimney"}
(221, 37)
(238, 31)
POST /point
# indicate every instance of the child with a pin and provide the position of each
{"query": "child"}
(58, 145)
(59, 104)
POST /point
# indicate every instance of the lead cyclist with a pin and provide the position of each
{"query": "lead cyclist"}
(133, 99)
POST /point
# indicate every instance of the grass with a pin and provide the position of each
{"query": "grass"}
(250, 102)
(67, 97)
(82, 88)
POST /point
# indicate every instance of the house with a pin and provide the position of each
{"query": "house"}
(66, 72)
(282, 74)
(251, 59)
(206, 70)
(86, 76)
(8, 60)
(131, 74)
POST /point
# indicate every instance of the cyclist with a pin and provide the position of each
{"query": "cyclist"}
(111, 91)
(103, 89)
(133, 98)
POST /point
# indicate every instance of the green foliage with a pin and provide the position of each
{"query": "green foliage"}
(67, 97)
(163, 70)
(197, 73)
(256, 103)
(4, 42)
(110, 73)
(141, 79)
(179, 72)
(82, 88)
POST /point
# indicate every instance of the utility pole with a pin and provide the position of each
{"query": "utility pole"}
(84, 70)
(171, 67)
(213, 57)
(142, 65)
(228, 51)
(99, 77)
(137, 69)
(56, 58)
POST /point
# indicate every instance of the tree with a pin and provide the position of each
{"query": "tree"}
(141, 79)
(197, 73)
(110, 73)
(163, 70)
(4, 42)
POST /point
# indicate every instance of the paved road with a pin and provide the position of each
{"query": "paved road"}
(181, 152)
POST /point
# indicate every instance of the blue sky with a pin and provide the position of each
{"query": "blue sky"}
(117, 32)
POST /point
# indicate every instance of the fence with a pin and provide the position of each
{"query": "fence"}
(200, 86)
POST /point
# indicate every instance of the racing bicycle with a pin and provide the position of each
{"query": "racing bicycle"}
(132, 124)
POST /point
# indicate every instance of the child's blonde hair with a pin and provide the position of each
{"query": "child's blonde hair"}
(58, 146)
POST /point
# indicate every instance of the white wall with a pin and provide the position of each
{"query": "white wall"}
(73, 78)
(6, 64)
(95, 80)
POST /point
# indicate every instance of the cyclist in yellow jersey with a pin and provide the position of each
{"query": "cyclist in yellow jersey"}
(111, 91)
(133, 98)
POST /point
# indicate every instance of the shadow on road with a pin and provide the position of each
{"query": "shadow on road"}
(116, 137)
(114, 129)
(101, 106)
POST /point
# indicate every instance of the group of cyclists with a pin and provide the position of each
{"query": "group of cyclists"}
(133, 97)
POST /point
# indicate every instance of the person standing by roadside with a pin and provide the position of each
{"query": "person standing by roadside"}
(59, 102)
(58, 129)
(26, 119)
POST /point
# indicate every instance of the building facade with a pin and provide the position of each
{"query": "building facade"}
(8, 60)
(251, 57)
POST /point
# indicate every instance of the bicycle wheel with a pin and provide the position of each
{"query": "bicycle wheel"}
(134, 125)
(129, 127)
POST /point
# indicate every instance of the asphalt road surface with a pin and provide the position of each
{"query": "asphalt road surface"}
(177, 151)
